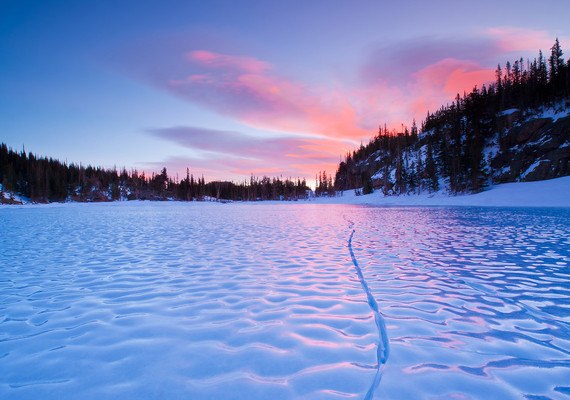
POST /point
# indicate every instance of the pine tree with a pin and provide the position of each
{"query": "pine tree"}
(556, 61)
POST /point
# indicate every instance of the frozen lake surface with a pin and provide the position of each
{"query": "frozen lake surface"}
(272, 301)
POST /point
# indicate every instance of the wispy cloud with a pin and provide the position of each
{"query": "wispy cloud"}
(249, 90)
(224, 61)
(510, 39)
(397, 63)
(241, 154)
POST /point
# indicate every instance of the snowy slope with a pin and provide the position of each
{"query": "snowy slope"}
(549, 193)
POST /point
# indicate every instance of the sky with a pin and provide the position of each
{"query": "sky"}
(234, 88)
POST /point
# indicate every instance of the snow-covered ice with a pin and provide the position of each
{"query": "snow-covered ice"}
(476, 301)
(283, 301)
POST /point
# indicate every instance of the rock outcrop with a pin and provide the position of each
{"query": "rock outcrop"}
(533, 149)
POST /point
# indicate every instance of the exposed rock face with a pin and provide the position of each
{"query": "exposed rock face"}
(519, 146)
(533, 150)
(527, 130)
(507, 121)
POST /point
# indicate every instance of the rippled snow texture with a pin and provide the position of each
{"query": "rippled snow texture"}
(258, 301)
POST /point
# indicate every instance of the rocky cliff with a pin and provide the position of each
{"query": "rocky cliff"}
(532, 147)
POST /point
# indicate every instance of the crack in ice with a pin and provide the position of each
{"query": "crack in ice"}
(383, 348)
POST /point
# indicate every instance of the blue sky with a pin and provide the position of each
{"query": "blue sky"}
(146, 84)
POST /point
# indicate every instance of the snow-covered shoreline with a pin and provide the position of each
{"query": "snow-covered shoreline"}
(547, 193)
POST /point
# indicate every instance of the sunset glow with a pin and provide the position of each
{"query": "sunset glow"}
(256, 91)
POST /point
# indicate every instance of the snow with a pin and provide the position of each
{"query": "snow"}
(179, 300)
(491, 149)
(532, 168)
(148, 300)
(377, 175)
(12, 197)
(556, 112)
(548, 193)
(508, 112)
(379, 154)
(424, 134)
(423, 153)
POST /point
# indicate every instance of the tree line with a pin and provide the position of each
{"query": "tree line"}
(449, 148)
(44, 180)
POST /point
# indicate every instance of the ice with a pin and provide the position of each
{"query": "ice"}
(471, 300)
(284, 301)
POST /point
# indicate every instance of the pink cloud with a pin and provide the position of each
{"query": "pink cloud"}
(459, 79)
(398, 83)
(217, 60)
(237, 169)
(394, 85)
(246, 89)
(512, 39)
(395, 64)
(440, 82)
(414, 76)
